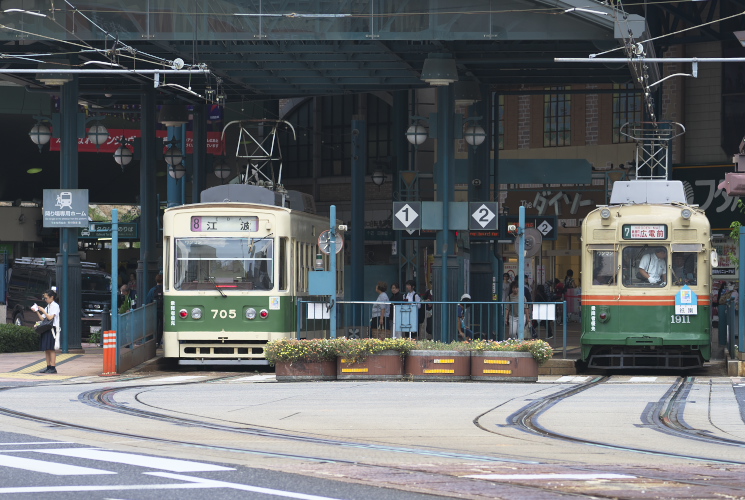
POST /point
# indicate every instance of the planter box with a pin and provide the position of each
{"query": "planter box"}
(504, 366)
(385, 365)
(302, 371)
(449, 366)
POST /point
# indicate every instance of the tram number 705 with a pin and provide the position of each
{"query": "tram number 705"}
(224, 313)
(677, 318)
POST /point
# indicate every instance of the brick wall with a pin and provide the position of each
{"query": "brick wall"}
(523, 122)
(592, 115)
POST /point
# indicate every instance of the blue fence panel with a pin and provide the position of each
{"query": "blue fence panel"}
(136, 327)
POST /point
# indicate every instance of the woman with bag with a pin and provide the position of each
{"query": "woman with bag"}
(50, 337)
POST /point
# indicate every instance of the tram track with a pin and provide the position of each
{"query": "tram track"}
(664, 416)
(104, 398)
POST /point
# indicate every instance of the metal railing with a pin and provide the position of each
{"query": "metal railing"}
(135, 336)
(484, 320)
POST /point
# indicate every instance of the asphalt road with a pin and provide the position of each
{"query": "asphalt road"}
(34, 468)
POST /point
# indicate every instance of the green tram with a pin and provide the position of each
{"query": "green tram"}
(646, 279)
(233, 271)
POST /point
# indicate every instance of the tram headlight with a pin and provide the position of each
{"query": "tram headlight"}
(250, 313)
(183, 313)
(605, 213)
(196, 313)
(686, 213)
(264, 314)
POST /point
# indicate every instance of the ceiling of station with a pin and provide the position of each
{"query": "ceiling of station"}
(271, 50)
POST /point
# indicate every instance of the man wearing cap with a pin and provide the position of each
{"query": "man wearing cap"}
(463, 331)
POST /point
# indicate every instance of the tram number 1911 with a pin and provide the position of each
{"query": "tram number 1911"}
(677, 318)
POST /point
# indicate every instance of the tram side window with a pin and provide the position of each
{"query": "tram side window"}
(604, 267)
(685, 268)
(644, 266)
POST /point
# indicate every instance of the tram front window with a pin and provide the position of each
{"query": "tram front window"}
(603, 267)
(224, 263)
(644, 266)
(684, 268)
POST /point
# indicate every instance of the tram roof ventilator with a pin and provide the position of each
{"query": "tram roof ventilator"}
(648, 191)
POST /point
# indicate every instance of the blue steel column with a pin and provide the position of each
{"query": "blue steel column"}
(115, 267)
(199, 152)
(332, 269)
(148, 261)
(741, 296)
(68, 261)
(401, 145)
(174, 189)
(359, 168)
(521, 274)
(444, 178)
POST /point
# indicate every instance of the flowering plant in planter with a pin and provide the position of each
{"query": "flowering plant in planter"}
(357, 350)
(306, 350)
(434, 345)
(540, 349)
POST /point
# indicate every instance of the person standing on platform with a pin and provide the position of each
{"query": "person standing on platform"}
(156, 295)
(48, 338)
(412, 296)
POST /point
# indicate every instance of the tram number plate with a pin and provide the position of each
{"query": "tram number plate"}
(686, 309)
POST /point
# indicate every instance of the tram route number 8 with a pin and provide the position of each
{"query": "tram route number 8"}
(677, 318)
(224, 313)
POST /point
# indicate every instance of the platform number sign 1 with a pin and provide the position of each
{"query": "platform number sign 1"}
(407, 215)
(483, 215)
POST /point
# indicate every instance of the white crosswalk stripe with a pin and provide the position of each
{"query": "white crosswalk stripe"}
(48, 467)
(168, 464)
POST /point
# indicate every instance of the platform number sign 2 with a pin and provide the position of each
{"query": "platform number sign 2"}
(407, 215)
(483, 215)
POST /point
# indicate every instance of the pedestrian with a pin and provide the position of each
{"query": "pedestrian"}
(506, 285)
(156, 295)
(48, 338)
(426, 327)
(396, 297)
(569, 280)
(127, 299)
(379, 322)
(542, 296)
(513, 317)
(132, 283)
(464, 332)
(412, 296)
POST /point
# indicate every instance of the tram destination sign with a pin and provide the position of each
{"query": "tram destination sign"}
(644, 231)
(224, 223)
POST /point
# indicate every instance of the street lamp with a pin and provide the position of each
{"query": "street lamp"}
(123, 155)
(416, 134)
(98, 134)
(474, 135)
(378, 178)
(173, 154)
(40, 133)
(222, 170)
(176, 171)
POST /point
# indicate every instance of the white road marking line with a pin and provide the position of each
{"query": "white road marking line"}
(37, 442)
(571, 378)
(642, 379)
(254, 378)
(242, 487)
(66, 489)
(48, 467)
(180, 378)
(133, 459)
(579, 477)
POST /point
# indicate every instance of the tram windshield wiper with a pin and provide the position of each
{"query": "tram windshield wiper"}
(254, 242)
(217, 287)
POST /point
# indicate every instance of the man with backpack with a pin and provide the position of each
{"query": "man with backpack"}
(156, 295)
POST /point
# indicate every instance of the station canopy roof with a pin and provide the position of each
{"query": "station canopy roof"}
(260, 50)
